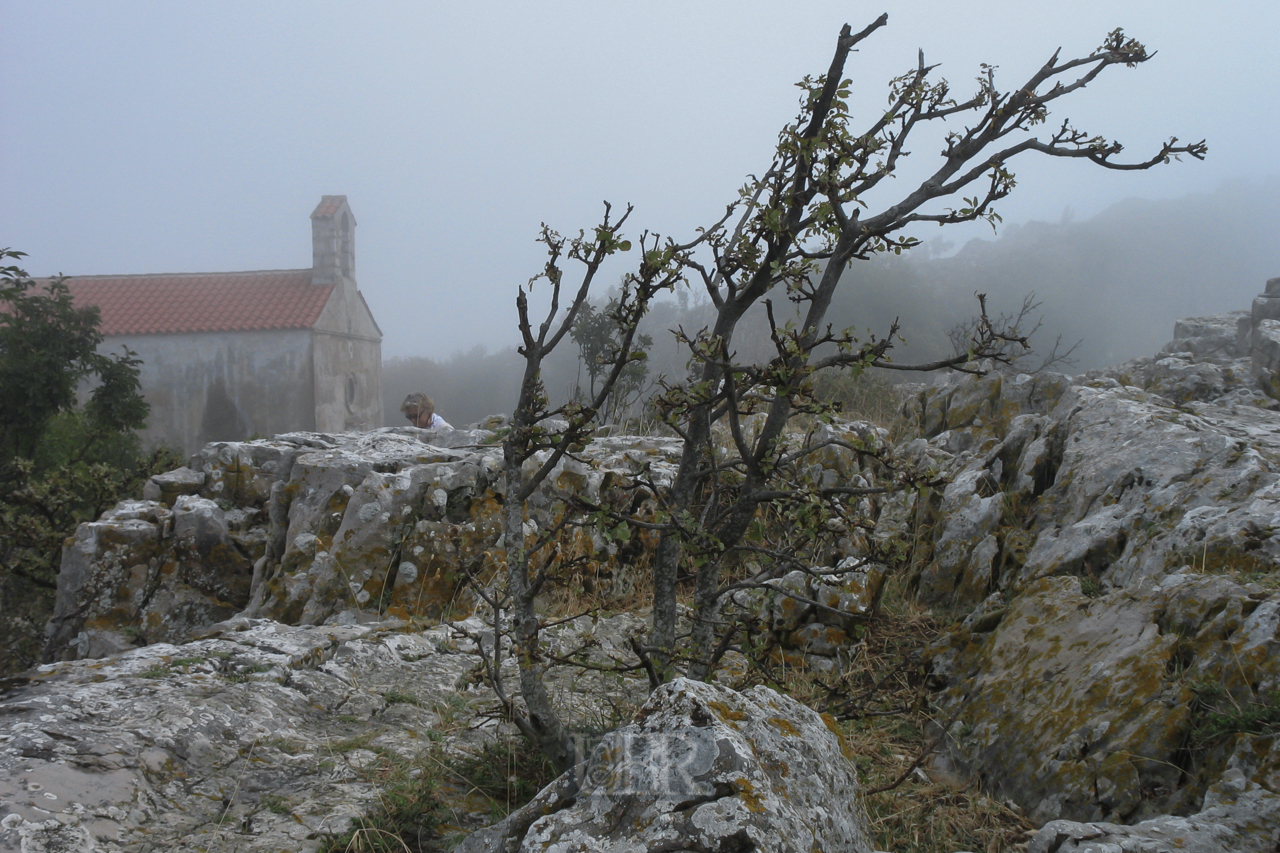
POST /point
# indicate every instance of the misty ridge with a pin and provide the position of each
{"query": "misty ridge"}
(1115, 283)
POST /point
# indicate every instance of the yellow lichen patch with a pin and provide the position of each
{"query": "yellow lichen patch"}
(747, 793)
(834, 727)
(785, 658)
(727, 713)
(783, 725)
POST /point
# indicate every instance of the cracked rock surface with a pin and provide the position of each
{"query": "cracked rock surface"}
(252, 740)
(1114, 540)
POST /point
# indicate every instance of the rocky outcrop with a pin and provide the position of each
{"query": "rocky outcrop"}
(305, 527)
(701, 767)
(1108, 732)
(1114, 541)
(261, 736)
(1107, 543)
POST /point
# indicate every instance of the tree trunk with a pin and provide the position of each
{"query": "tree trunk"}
(542, 724)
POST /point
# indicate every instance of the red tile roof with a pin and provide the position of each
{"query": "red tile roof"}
(202, 302)
(328, 205)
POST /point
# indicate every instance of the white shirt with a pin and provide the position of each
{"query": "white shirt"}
(438, 422)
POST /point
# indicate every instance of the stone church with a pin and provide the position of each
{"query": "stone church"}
(230, 355)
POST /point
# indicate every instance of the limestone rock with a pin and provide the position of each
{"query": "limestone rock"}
(166, 487)
(1112, 482)
(972, 506)
(1240, 813)
(989, 402)
(1103, 718)
(1143, 487)
(701, 767)
(1100, 736)
(1181, 378)
(304, 527)
(1265, 349)
(250, 740)
(1210, 337)
(817, 611)
(1111, 592)
(260, 736)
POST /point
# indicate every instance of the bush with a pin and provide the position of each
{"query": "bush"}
(61, 463)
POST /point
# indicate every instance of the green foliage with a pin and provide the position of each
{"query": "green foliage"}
(1217, 715)
(409, 810)
(60, 464)
(48, 346)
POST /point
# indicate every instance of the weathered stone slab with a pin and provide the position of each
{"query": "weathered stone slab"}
(247, 742)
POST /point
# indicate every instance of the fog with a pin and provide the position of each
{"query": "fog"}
(1114, 284)
(159, 137)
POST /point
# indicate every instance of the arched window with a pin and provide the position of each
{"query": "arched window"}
(351, 393)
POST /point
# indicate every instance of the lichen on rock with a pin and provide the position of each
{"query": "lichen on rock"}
(700, 767)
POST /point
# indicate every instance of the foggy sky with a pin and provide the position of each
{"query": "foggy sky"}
(187, 137)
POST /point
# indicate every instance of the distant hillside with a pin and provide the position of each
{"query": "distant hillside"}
(1118, 280)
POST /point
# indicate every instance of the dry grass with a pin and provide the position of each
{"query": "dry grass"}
(880, 702)
(926, 818)
(580, 581)
(866, 397)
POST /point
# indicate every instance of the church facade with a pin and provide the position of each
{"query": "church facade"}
(226, 356)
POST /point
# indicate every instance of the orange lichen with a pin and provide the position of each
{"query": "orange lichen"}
(747, 793)
(785, 726)
(727, 713)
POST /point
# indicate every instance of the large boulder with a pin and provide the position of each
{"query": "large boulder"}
(701, 767)
(1103, 735)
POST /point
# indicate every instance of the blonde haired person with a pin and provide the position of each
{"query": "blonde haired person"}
(421, 412)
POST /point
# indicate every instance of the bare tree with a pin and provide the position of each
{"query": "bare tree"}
(795, 230)
(545, 436)
(1028, 322)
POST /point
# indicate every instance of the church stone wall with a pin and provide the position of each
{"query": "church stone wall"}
(223, 386)
(348, 382)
